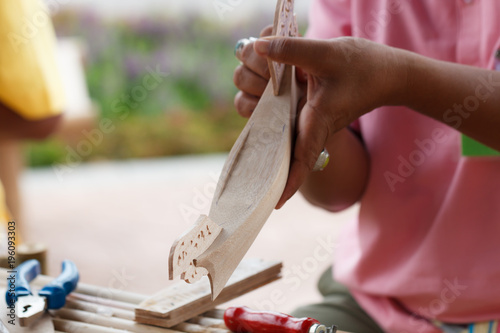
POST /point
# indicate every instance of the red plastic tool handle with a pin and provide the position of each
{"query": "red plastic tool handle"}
(242, 319)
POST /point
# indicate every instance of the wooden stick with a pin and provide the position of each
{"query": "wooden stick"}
(75, 326)
(128, 325)
(110, 293)
(87, 289)
(215, 313)
(193, 328)
(117, 323)
(102, 301)
(208, 322)
(100, 309)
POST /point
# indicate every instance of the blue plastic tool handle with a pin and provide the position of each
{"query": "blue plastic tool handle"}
(19, 283)
(57, 290)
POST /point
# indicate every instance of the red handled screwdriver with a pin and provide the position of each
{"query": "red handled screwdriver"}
(242, 319)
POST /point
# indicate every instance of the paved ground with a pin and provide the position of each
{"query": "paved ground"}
(118, 220)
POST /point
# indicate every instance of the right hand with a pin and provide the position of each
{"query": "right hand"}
(250, 77)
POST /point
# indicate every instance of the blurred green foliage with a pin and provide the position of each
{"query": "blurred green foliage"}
(190, 112)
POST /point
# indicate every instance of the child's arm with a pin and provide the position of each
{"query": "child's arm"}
(13, 126)
(348, 77)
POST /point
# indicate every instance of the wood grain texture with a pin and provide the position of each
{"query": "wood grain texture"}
(253, 177)
(252, 181)
(285, 25)
(182, 301)
(189, 246)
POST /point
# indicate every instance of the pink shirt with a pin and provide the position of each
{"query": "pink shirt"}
(427, 240)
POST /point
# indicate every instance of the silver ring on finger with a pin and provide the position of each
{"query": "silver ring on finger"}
(322, 161)
(241, 44)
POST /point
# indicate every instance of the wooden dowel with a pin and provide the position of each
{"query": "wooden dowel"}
(74, 326)
(214, 313)
(117, 323)
(99, 309)
(208, 322)
(86, 289)
(102, 301)
(193, 328)
(113, 294)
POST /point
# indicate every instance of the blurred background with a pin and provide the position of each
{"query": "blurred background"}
(191, 111)
(149, 122)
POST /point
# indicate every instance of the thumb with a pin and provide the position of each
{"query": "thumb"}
(301, 52)
(312, 134)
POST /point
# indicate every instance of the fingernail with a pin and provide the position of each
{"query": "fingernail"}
(262, 46)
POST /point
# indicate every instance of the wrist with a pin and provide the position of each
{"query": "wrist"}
(401, 77)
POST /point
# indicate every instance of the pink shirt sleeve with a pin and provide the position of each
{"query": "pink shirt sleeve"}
(329, 19)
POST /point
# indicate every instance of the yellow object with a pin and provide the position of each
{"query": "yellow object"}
(30, 83)
(4, 215)
(4, 218)
(29, 77)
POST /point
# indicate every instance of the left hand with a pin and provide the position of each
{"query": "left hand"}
(346, 78)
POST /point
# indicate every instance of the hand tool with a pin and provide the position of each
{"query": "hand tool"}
(52, 296)
(242, 319)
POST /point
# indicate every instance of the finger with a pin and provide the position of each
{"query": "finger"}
(245, 103)
(248, 81)
(300, 52)
(246, 54)
(267, 31)
(301, 75)
(312, 133)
